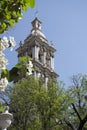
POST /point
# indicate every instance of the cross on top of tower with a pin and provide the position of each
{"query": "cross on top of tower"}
(36, 14)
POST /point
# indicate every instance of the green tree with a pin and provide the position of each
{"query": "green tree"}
(76, 117)
(11, 11)
(34, 107)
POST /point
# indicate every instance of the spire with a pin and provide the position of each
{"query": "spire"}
(36, 23)
(36, 30)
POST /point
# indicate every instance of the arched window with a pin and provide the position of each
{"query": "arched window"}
(40, 56)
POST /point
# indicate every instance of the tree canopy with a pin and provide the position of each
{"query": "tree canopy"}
(34, 108)
(76, 117)
(11, 12)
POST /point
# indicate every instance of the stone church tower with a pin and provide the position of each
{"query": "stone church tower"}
(37, 47)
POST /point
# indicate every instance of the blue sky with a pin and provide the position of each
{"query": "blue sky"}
(65, 23)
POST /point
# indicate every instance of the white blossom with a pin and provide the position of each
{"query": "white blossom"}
(2, 47)
(3, 83)
(29, 65)
(1, 55)
(3, 63)
(29, 73)
(29, 68)
(4, 40)
(3, 43)
(12, 42)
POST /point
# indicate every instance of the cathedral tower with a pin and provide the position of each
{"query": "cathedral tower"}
(37, 47)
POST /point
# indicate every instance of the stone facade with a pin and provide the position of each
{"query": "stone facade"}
(37, 47)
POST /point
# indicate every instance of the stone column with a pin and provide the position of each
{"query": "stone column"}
(35, 74)
(52, 63)
(44, 59)
(39, 74)
(35, 52)
(46, 81)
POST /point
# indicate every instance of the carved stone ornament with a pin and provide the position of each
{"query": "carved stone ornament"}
(5, 120)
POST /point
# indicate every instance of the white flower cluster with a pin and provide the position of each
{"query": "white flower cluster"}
(4, 44)
(3, 84)
(29, 67)
(3, 61)
(12, 43)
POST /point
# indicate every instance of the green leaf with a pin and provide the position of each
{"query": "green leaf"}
(1, 107)
(5, 73)
(24, 8)
(30, 58)
(11, 22)
(3, 25)
(23, 59)
(13, 74)
(11, 10)
(32, 3)
(18, 66)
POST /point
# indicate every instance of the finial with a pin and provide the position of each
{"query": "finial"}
(36, 13)
(51, 43)
(20, 43)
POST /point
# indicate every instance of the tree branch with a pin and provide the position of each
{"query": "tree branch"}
(76, 112)
(69, 124)
(82, 123)
(85, 119)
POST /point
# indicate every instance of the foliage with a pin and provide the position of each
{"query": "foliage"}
(76, 117)
(11, 11)
(34, 108)
(1, 107)
(17, 72)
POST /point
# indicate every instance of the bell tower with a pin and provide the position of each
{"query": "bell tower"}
(36, 46)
